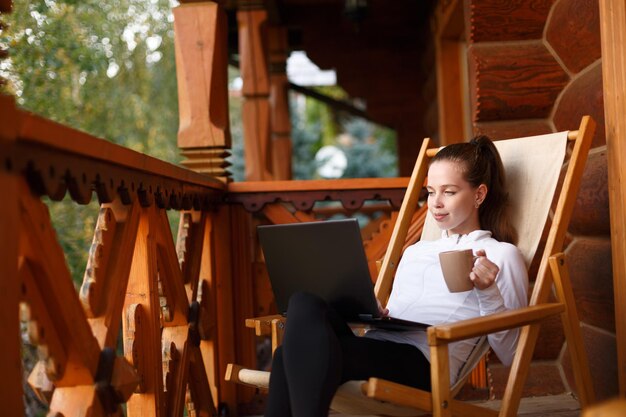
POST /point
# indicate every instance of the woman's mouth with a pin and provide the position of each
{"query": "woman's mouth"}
(439, 216)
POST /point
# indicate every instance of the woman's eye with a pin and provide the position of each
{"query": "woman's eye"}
(449, 192)
(431, 193)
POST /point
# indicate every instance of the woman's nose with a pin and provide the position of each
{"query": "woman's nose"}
(437, 201)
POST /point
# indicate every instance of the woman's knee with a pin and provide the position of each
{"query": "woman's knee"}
(304, 304)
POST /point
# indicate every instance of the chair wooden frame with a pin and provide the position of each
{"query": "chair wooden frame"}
(552, 270)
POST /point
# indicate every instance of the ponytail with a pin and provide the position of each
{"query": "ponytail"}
(481, 164)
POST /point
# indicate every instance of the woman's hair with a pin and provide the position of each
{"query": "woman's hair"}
(481, 164)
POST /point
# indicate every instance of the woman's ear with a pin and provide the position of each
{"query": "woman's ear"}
(481, 194)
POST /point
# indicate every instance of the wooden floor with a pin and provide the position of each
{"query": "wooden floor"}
(564, 405)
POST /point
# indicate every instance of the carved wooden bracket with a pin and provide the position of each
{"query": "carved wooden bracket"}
(305, 200)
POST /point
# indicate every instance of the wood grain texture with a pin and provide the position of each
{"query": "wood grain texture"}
(574, 33)
(496, 20)
(514, 81)
(201, 68)
(10, 357)
(613, 32)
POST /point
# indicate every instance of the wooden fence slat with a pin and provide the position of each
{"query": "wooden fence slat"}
(143, 342)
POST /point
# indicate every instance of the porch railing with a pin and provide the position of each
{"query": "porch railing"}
(181, 305)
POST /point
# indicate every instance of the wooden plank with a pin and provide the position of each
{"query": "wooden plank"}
(439, 377)
(613, 38)
(142, 333)
(222, 287)
(34, 128)
(571, 326)
(395, 393)
(171, 276)
(317, 185)
(10, 356)
(409, 203)
(243, 291)
(105, 327)
(509, 319)
(207, 296)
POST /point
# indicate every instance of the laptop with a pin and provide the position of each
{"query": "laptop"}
(327, 259)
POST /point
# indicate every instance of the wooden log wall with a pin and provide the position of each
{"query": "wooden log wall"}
(536, 67)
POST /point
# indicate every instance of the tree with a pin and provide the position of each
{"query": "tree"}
(107, 68)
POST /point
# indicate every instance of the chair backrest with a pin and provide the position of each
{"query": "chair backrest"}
(532, 166)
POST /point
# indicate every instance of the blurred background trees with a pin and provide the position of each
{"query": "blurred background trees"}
(108, 68)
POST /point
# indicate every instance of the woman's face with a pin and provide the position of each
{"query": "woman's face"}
(452, 200)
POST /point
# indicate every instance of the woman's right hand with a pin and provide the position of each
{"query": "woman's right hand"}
(384, 312)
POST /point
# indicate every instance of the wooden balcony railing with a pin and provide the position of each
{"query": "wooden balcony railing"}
(181, 306)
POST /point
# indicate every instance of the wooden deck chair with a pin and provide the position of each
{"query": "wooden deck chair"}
(532, 166)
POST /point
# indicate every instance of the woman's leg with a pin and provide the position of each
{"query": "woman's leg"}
(308, 364)
(278, 400)
(398, 362)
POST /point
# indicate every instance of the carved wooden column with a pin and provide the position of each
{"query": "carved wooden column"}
(613, 32)
(252, 20)
(279, 104)
(10, 356)
(201, 69)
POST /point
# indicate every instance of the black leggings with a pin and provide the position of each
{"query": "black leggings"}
(320, 352)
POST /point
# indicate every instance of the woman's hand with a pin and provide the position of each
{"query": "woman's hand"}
(384, 312)
(484, 273)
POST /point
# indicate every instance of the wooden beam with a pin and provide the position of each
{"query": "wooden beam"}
(613, 39)
(10, 357)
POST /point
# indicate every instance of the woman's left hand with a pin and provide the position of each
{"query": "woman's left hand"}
(484, 273)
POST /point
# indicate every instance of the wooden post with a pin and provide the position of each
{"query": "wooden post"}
(613, 39)
(201, 69)
(256, 107)
(222, 284)
(279, 104)
(449, 29)
(141, 321)
(10, 357)
(243, 282)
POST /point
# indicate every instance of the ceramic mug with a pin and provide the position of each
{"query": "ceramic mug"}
(456, 266)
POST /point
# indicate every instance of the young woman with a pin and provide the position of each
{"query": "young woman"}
(467, 197)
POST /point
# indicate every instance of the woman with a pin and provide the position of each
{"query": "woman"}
(468, 200)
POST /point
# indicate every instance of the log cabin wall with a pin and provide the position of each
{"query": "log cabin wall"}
(534, 68)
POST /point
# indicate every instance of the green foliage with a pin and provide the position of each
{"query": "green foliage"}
(107, 68)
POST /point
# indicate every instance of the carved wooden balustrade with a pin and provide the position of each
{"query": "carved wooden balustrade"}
(181, 307)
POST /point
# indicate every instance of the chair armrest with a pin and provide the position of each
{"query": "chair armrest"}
(465, 329)
(263, 325)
